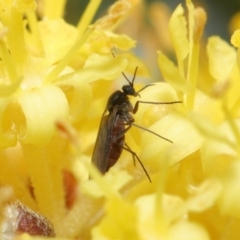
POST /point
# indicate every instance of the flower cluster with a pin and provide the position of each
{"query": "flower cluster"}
(55, 80)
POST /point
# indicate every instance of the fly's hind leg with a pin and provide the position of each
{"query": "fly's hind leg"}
(135, 156)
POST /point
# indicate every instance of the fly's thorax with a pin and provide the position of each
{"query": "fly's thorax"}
(116, 100)
(124, 112)
(126, 107)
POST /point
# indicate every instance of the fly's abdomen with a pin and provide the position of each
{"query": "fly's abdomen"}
(117, 142)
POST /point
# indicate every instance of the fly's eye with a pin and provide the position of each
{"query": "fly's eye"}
(129, 90)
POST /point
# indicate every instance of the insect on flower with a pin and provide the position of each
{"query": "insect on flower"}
(116, 121)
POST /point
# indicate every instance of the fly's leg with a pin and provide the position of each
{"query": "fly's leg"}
(135, 156)
(121, 133)
(128, 122)
(135, 109)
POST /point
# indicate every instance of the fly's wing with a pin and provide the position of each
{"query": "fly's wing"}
(103, 142)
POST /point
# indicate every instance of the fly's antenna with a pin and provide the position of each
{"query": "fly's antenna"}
(149, 85)
(134, 76)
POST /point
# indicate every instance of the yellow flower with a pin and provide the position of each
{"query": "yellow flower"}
(47, 70)
(55, 82)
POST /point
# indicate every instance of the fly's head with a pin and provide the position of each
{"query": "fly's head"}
(129, 89)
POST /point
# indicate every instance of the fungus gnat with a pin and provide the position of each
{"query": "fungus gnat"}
(116, 121)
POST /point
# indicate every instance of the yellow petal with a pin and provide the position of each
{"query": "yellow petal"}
(18, 186)
(219, 149)
(7, 90)
(57, 37)
(97, 67)
(79, 98)
(118, 180)
(23, 6)
(186, 140)
(199, 24)
(204, 196)
(230, 197)
(178, 33)
(206, 127)
(122, 42)
(208, 107)
(115, 225)
(115, 14)
(46, 180)
(8, 135)
(41, 108)
(235, 39)
(172, 74)
(188, 231)
(53, 9)
(6, 195)
(148, 114)
(26, 236)
(150, 226)
(172, 207)
(222, 58)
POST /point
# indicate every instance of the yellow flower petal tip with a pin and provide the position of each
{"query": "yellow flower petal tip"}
(200, 22)
(235, 39)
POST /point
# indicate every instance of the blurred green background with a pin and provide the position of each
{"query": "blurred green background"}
(219, 12)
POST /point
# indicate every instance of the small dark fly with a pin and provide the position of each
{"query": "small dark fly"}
(116, 121)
